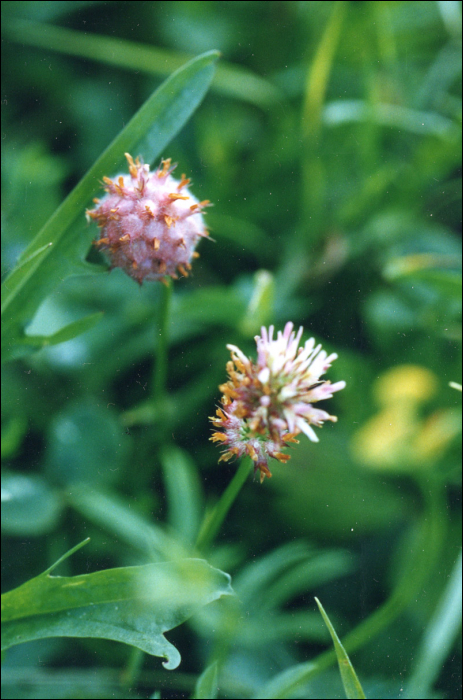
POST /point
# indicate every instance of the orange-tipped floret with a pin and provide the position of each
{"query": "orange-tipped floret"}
(266, 404)
(149, 223)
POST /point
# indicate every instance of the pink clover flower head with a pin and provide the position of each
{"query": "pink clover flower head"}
(149, 223)
(266, 404)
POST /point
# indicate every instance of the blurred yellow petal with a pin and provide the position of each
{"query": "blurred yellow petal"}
(437, 433)
(405, 382)
(383, 442)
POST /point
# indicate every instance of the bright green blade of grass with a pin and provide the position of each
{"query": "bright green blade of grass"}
(349, 678)
(60, 247)
(206, 686)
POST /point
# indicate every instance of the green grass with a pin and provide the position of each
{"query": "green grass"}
(328, 138)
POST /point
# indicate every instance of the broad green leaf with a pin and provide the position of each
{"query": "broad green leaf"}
(60, 247)
(235, 81)
(184, 496)
(349, 678)
(29, 505)
(134, 605)
(72, 330)
(86, 445)
(206, 686)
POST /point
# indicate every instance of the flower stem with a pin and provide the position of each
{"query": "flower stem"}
(136, 657)
(211, 524)
(160, 365)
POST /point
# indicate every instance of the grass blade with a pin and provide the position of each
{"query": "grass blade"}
(349, 678)
(206, 686)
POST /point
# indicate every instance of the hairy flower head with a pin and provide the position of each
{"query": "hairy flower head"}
(265, 404)
(149, 223)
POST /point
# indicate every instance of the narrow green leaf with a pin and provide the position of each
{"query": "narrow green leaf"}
(407, 265)
(134, 605)
(21, 274)
(320, 69)
(65, 556)
(316, 570)
(260, 307)
(269, 627)
(206, 686)
(259, 575)
(235, 81)
(27, 265)
(59, 248)
(184, 494)
(439, 637)
(314, 176)
(349, 678)
(116, 516)
(72, 330)
(391, 116)
(286, 682)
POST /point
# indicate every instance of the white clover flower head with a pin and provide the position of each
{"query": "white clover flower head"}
(149, 223)
(267, 403)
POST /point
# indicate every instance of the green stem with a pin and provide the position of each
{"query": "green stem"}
(136, 657)
(211, 525)
(160, 365)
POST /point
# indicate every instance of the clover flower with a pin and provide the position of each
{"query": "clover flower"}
(266, 404)
(150, 223)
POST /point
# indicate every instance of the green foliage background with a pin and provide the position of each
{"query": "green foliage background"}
(330, 146)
